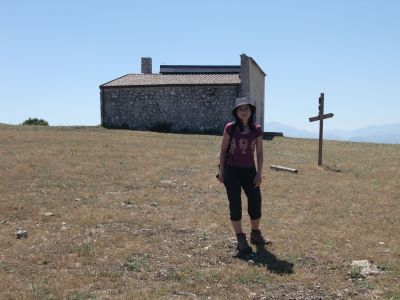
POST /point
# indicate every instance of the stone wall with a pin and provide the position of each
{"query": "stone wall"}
(202, 108)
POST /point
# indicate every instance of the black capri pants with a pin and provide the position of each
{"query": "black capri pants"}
(236, 178)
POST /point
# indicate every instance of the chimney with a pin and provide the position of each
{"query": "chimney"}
(146, 65)
(244, 76)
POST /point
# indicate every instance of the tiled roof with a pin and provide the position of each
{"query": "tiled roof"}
(164, 79)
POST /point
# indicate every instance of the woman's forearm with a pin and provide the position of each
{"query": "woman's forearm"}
(222, 160)
(260, 162)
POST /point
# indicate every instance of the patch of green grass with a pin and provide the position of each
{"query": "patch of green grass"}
(364, 285)
(4, 266)
(328, 243)
(115, 273)
(136, 264)
(85, 249)
(179, 275)
(355, 272)
(387, 267)
(162, 291)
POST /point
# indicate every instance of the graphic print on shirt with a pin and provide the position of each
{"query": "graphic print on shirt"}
(243, 143)
(233, 146)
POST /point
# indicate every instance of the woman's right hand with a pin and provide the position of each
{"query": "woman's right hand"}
(221, 176)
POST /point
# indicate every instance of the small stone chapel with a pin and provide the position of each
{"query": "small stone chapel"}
(183, 98)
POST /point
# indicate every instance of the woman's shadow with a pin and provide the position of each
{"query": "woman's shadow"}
(266, 258)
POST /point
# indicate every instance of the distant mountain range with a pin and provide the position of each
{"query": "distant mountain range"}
(387, 134)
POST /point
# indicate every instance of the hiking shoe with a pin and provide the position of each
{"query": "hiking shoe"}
(242, 246)
(257, 239)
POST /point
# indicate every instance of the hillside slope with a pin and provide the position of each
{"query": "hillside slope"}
(124, 214)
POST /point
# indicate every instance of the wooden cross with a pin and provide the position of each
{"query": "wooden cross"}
(321, 118)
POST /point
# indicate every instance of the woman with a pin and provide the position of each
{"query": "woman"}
(237, 170)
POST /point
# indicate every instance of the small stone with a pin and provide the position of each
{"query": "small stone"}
(251, 262)
(366, 268)
(21, 233)
(48, 214)
(154, 204)
(184, 184)
(381, 243)
(166, 182)
(77, 199)
(3, 222)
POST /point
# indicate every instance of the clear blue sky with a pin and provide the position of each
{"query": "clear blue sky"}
(55, 54)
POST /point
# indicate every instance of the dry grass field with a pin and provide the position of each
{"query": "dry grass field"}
(117, 214)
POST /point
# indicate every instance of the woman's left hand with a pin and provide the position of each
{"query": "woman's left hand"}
(257, 180)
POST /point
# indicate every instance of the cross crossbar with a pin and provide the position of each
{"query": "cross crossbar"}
(317, 118)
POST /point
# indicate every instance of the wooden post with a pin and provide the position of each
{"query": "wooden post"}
(278, 168)
(321, 118)
(321, 127)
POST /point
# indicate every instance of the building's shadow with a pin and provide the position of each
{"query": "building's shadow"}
(266, 258)
(269, 135)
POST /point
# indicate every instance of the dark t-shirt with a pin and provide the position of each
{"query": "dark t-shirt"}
(241, 152)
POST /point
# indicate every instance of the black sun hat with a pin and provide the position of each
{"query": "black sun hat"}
(243, 101)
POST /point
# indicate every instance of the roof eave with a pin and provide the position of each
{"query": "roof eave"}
(164, 85)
